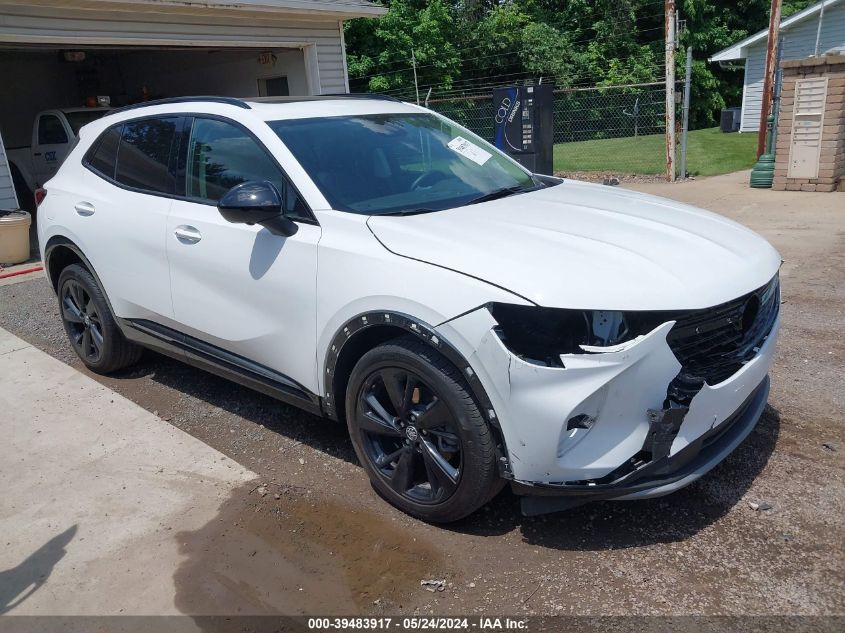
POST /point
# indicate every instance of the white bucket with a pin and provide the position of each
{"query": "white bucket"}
(14, 237)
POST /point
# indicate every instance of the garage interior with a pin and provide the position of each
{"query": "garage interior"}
(38, 78)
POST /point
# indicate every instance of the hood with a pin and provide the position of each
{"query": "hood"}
(592, 247)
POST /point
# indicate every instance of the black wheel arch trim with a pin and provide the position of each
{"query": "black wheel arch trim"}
(60, 241)
(427, 333)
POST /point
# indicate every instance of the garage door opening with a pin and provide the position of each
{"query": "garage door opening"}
(37, 79)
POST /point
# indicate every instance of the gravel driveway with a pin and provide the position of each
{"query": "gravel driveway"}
(704, 550)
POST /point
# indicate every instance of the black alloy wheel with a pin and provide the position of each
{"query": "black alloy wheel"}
(91, 328)
(419, 433)
(409, 435)
(83, 321)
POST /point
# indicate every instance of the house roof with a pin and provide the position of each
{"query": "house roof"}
(740, 49)
(341, 8)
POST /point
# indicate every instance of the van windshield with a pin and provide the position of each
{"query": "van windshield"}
(78, 118)
(383, 164)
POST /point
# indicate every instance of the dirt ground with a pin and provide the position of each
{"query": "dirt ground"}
(316, 538)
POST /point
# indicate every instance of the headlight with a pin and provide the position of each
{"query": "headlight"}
(541, 335)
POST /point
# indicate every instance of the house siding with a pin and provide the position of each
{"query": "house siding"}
(7, 191)
(39, 24)
(797, 42)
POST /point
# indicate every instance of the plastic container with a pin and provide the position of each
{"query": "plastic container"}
(14, 236)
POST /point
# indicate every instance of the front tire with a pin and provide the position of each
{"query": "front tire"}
(90, 325)
(419, 433)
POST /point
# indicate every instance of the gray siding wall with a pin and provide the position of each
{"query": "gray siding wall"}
(7, 193)
(797, 42)
(178, 27)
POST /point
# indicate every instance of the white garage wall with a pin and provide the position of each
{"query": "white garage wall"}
(7, 191)
(177, 26)
(217, 72)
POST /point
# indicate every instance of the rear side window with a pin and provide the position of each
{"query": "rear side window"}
(143, 160)
(51, 131)
(77, 118)
(103, 158)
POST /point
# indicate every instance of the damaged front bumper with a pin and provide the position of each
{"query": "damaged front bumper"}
(599, 427)
(656, 478)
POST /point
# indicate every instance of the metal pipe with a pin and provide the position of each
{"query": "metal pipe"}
(776, 96)
(819, 30)
(416, 86)
(685, 124)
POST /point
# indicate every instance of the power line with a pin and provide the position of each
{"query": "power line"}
(402, 58)
(483, 90)
(509, 52)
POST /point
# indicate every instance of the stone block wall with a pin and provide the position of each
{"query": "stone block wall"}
(831, 174)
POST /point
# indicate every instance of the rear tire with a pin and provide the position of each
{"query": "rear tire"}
(90, 325)
(418, 432)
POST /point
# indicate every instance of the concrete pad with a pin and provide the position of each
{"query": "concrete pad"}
(6, 280)
(95, 491)
(799, 224)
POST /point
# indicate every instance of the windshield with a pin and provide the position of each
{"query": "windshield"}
(78, 118)
(393, 163)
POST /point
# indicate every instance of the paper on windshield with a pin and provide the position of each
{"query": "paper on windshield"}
(468, 149)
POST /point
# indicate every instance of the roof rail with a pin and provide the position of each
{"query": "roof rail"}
(324, 97)
(228, 100)
(242, 102)
(363, 95)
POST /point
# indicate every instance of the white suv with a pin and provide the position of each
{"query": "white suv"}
(375, 263)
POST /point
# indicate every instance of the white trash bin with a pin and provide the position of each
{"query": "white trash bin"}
(14, 236)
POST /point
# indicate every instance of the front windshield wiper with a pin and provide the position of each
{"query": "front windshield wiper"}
(502, 193)
(493, 195)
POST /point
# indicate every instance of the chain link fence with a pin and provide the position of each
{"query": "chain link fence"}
(609, 129)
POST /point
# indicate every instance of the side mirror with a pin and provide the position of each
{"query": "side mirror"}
(256, 202)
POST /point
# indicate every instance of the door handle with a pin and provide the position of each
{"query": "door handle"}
(187, 234)
(36, 153)
(84, 208)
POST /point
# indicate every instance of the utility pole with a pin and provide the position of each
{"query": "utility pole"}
(769, 78)
(670, 89)
(414, 64)
(685, 119)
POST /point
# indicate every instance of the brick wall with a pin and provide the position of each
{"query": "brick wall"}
(832, 155)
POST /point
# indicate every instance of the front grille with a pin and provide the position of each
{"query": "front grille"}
(713, 344)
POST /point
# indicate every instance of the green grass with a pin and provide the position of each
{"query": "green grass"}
(709, 153)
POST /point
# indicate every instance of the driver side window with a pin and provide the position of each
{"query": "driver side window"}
(221, 155)
(51, 131)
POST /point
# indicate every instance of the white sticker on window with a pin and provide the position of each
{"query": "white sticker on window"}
(469, 150)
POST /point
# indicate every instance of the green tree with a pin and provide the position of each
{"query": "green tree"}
(380, 51)
(467, 44)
